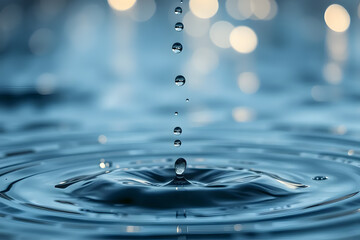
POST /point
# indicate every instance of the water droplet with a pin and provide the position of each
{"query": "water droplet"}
(187, 100)
(180, 80)
(176, 113)
(180, 167)
(177, 47)
(177, 130)
(320, 178)
(179, 26)
(177, 143)
(178, 10)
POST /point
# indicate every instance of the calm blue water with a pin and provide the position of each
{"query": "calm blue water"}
(94, 157)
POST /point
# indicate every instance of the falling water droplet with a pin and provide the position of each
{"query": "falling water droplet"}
(180, 167)
(177, 143)
(320, 178)
(179, 26)
(180, 80)
(187, 100)
(176, 113)
(177, 47)
(177, 130)
(178, 10)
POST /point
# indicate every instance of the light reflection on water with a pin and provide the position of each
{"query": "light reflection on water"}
(271, 136)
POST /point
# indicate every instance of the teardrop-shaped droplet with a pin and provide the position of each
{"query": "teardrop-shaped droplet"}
(179, 26)
(177, 143)
(180, 167)
(180, 80)
(320, 178)
(178, 10)
(177, 130)
(177, 47)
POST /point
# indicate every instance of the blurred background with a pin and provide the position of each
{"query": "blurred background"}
(91, 63)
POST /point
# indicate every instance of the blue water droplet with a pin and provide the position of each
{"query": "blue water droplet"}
(180, 167)
(177, 47)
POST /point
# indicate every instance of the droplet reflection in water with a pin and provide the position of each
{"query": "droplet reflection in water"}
(177, 130)
(180, 80)
(179, 26)
(177, 143)
(178, 10)
(180, 167)
(177, 47)
(320, 178)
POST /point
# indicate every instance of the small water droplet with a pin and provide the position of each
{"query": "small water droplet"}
(177, 130)
(320, 178)
(187, 100)
(177, 143)
(176, 113)
(180, 167)
(180, 80)
(177, 47)
(179, 26)
(178, 10)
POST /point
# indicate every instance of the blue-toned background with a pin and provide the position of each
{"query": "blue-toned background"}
(90, 64)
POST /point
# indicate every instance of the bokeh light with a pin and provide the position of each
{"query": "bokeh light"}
(332, 73)
(121, 5)
(46, 84)
(337, 18)
(143, 10)
(41, 41)
(243, 114)
(337, 45)
(204, 8)
(204, 60)
(248, 82)
(261, 8)
(243, 39)
(239, 9)
(194, 26)
(220, 32)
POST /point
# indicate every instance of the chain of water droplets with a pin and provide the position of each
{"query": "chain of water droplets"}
(180, 164)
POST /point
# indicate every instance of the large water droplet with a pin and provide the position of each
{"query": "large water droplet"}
(179, 26)
(177, 130)
(180, 80)
(177, 143)
(178, 10)
(177, 47)
(180, 167)
(320, 178)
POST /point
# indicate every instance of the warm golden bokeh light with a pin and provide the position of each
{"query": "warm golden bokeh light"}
(204, 8)
(248, 82)
(121, 5)
(220, 32)
(243, 39)
(337, 18)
